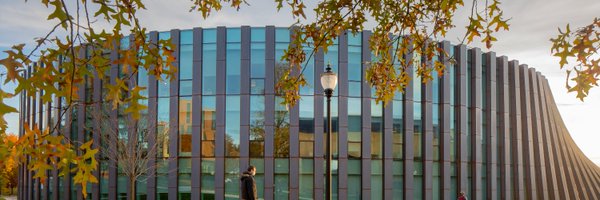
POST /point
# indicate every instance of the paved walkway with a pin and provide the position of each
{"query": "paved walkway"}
(10, 197)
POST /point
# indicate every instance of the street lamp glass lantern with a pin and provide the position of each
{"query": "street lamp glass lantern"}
(328, 79)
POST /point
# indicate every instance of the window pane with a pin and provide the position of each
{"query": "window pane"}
(376, 179)
(355, 39)
(398, 169)
(185, 88)
(282, 35)
(282, 129)
(209, 126)
(185, 181)
(309, 75)
(234, 35)
(354, 88)
(185, 126)
(354, 63)
(209, 35)
(163, 128)
(186, 62)
(186, 37)
(162, 179)
(417, 138)
(354, 180)
(257, 122)
(281, 178)
(306, 178)
(208, 178)
(257, 60)
(306, 129)
(233, 68)
(258, 34)
(232, 174)
(354, 128)
(376, 130)
(232, 126)
(257, 86)
(397, 129)
(209, 69)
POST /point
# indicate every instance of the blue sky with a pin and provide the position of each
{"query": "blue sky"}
(533, 23)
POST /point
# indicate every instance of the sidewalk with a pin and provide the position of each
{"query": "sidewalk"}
(9, 197)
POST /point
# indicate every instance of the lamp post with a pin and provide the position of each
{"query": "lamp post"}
(328, 81)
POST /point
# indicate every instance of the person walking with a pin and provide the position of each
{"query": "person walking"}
(462, 196)
(248, 184)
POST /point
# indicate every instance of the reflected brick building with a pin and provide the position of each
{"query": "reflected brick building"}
(489, 127)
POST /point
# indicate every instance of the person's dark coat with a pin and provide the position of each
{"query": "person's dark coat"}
(248, 187)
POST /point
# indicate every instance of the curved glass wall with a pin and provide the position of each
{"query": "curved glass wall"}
(236, 97)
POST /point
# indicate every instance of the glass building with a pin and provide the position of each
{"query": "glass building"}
(488, 127)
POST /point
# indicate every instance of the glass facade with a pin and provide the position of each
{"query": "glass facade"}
(233, 71)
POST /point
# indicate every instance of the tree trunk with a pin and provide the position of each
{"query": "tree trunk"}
(132, 194)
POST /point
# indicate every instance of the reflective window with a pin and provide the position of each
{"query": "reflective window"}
(162, 126)
(209, 35)
(185, 126)
(258, 34)
(209, 126)
(376, 179)
(398, 181)
(354, 68)
(418, 123)
(282, 129)
(164, 86)
(418, 180)
(185, 62)
(209, 62)
(354, 179)
(232, 126)
(185, 178)
(208, 178)
(306, 178)
(376, 150)
(124, 43)
(309, 74)
(186, 52)
(354, 128)
(306, 126)
(185, 87)
(162, 179)
(376, 130)
(417, 138)
(232, 177)
(397, 130)
(143, 81)
(257, 60)
(257, 86)
(435, 112)
(355, 39)
(281, 178)
(282, 35)
(354, 88)
(233, 61)
(257, 126)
